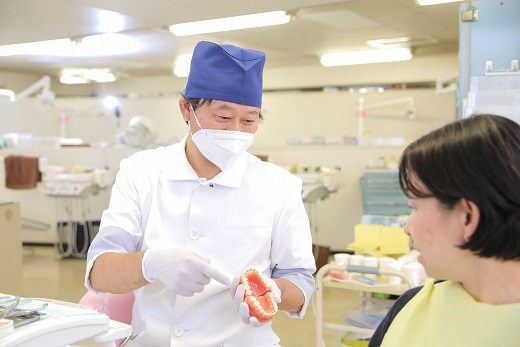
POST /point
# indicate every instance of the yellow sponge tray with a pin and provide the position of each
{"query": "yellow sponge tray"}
(375, 237)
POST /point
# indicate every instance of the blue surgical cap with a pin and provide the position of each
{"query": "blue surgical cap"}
(227, 73)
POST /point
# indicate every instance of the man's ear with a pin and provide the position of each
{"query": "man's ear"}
(184, 107)
(471, 217)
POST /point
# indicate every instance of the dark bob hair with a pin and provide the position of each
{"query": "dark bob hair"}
(476, 158)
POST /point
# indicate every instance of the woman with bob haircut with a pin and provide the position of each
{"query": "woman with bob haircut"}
(463, 185)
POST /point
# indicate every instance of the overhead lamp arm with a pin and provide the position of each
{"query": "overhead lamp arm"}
(407, 100)
(44, 84)
(410, 111)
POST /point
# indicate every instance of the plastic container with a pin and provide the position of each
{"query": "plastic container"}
(6, 326)
(365, 318)
(352, 339)
(17, 140)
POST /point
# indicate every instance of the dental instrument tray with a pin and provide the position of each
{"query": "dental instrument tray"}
(75, 180)
(16, 309)
(54, 323)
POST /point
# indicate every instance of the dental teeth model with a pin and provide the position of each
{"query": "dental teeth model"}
(258, 296)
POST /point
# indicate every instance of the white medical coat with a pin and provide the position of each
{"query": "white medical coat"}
(250, 215)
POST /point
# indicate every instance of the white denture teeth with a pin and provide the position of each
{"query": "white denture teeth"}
(262, 288)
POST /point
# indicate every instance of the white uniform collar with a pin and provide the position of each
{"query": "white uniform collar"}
(178, 168)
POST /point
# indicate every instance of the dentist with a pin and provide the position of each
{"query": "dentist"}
(186, 219)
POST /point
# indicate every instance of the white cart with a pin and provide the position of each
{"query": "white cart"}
(324, 279)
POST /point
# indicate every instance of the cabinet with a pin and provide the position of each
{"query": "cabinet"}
(10, 248)
(324, 279)
(382, 195)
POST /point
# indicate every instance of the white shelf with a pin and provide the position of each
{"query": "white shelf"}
(323, 279)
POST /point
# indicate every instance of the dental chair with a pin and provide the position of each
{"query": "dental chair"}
(116, 306)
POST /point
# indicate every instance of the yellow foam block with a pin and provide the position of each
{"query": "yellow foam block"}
(367, 237)
(394, 241)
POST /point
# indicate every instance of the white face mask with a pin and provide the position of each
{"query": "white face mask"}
(221, 147)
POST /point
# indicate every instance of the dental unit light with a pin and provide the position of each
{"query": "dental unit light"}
(365, 57)
(182, 64)
(89, 46)
(435, 2)
(231, 23)
(8, 94)
(78, 76)
(110, 102)
(110, 22)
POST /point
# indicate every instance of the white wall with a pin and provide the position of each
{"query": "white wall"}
(287, 114)
(330, 115)
(88, 120)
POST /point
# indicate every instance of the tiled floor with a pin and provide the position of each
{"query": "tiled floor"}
(45, 275)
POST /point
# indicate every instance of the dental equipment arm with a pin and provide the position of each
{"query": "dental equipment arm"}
(43, 83)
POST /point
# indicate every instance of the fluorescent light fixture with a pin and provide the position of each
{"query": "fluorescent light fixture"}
(182, 65)
(89, 46)
(34, 47)
(78, 76)
(434, 2)
(231, 23)
(365, 57)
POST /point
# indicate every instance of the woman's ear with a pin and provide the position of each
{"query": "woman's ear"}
(471, 217)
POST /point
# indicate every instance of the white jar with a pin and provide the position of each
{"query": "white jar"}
(341, 258)
(356, 259)
(6, 326)
(396, 266)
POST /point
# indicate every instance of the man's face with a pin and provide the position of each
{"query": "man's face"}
(223, 115)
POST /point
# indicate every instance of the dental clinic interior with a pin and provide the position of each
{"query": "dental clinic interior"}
(347, 86)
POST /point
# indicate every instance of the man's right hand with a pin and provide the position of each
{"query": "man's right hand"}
(180, 269)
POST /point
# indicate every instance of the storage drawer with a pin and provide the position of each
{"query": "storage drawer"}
(392, 208)
(381, 194)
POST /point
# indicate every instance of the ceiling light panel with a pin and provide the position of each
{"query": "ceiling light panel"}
(365, 57)
(435, 2)
(89, 46)
(231, 23)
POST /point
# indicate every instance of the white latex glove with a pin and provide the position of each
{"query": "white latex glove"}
(180, 269)
(238, 293)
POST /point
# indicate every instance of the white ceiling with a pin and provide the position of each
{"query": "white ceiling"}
(320, 26)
